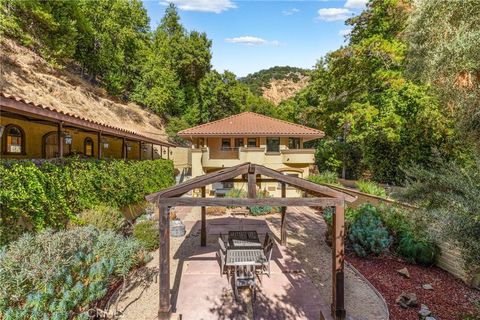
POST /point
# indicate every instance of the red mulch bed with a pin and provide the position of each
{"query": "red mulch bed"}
(450, 298)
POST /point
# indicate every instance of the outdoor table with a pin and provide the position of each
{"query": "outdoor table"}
(244, 257)
(243, 239)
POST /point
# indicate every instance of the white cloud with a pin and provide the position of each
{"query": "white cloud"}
(355, 3)
(289, 12)
(252, 41)
(344, 32)
(333, 14)
(216, 6)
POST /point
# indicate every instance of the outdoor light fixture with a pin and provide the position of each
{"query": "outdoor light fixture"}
(129, 147)
(68, 138)
(105, 143)
(144, 147)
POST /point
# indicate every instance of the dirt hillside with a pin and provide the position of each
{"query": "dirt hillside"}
(282, 89)
(25, 74)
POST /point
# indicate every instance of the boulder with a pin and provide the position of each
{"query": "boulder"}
(406, 300)
(404, 272)
(424, 311)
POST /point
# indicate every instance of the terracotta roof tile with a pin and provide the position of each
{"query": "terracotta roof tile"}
(251, 124)
(74, 116)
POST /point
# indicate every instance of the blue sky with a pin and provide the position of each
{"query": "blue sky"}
(249, 36)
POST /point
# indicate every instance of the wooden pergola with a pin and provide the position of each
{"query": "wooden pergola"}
(320, 196)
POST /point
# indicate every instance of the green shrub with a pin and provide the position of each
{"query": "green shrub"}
(49, 194)
(102, 217)
(326, 177)
(371, 188)
(58, 275)
(367, 233)
(236, 193)
(416, 250)
(147, 233)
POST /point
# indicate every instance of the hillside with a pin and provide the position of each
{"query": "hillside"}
(277, 83)
(25, 74)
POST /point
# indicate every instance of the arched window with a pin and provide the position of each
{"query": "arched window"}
(14, 140)
(88, 147)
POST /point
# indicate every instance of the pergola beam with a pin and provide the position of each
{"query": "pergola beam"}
(164, 263)
(247, 202)
(283, 227)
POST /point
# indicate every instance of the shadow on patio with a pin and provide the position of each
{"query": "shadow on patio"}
(200, 292)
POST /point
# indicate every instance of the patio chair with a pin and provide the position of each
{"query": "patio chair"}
(267, 250)
(222, 245)
(221, 255)
(267, 239)
(244, 276)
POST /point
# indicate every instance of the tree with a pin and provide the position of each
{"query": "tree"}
(443, 38)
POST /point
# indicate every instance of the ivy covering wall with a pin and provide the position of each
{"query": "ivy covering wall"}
(36, 196)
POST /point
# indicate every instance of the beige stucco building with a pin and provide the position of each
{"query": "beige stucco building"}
(254, 138)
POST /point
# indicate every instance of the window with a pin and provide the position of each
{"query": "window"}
(293, 143)
(273, 144)
(88, 147)
(252, 142)
(226, 144)
(238, 142)
(15, 140)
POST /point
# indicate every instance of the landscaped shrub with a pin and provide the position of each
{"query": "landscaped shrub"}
(327, 177)
(417, 250)
(371, 188)
(57, 275)
(147, 233)
(50, 193)
(102, 217)
(367, 233)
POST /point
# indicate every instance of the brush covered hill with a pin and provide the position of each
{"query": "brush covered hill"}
(277, 83)
(27, 75)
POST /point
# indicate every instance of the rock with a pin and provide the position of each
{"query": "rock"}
(406, 300)
(424, 311)
(404, 272)
(427, 286)
(430, 318)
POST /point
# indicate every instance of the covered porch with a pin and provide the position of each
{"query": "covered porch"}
(252, 174)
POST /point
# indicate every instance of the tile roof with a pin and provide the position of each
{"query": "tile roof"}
(25, 106)
(251, 124)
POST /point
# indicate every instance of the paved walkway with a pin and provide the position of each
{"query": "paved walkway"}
(299, 286)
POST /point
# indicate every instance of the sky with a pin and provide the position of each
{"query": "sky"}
(248, 36)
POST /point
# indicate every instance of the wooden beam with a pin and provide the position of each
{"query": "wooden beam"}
(252, 182)
(99, 145)
(338, 257)
(168, 153)
(152, 151)
(303, 184)
(200, 181)
(60, 139)
(164, 262)
(203, 230)
(283, 228)
(227, 202)
(140, 145)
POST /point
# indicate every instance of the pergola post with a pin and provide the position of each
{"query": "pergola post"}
(283, 228)
(252, 182)
(338, 255)
(164, 262)
(203, 230)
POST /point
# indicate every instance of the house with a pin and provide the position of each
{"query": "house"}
(35, 131)
(254, 138)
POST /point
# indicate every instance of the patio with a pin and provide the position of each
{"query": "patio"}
(199, 292)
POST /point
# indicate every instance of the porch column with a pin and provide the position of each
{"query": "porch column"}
(338, 255)
(124, 149)
(99, 145)
(283, 228)
(161, 152)
(60, 140)
(140, 150)
(152, 151)
(168, 153)
(203, 231)
(164, 262)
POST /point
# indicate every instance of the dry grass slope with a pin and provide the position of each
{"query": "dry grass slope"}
(25, 74)
(282, 89)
